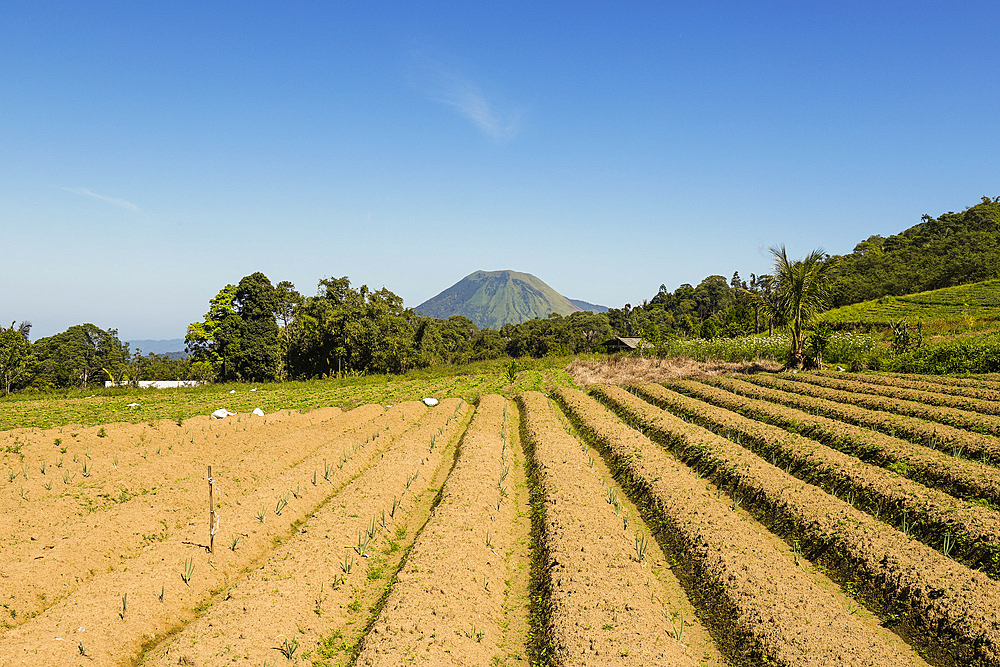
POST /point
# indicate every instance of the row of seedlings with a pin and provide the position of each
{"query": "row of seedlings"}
(965, 419)
(100, 522)
(988, 382)
(964, 531)
(603, 604)
(987, 406)
(963, 478)
(449, 601)
(761, 608)
(312, 598)
(938, 605)
(923, 383)
(169, 578)
(955, 441)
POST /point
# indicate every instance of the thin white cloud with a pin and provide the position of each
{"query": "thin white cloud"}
(114, 201)
(442, 84)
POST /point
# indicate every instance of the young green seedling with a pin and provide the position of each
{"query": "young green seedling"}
(640, 547)
(288, 648)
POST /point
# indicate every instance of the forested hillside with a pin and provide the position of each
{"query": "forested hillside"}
(952, 249)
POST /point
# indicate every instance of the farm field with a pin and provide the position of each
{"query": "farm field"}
(957, 307)
(724, 521)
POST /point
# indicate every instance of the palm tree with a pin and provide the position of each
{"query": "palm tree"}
(801, 292)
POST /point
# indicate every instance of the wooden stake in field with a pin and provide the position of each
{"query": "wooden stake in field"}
(213, 518)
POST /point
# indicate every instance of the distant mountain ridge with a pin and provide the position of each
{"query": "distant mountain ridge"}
(494, 298)
(592, 307)
(171, 346)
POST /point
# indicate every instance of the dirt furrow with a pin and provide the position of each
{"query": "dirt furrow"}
(107, 518)
(98, 625)
(312, 598)
(956, 441)
(448, 604)
(904, 391)
(943, 607)
(964, 419)
(959, 477)
(602, 595)
(963, 531)
(921, 383)
(762, 608)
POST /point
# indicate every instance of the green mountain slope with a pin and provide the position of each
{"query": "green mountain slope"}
(493, 298)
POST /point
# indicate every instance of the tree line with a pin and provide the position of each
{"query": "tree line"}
(81, 356)
(259, 331)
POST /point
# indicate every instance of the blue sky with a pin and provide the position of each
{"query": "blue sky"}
(151, 153)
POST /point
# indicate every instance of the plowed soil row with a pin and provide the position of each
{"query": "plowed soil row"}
(450, 604)
(56, 539)
(963, 531)
(964, 419)
(93, 624)
(921, 383)
(317, 590)
(954, 382)
(959, 477)
(941, 606)
(762, 609)
(602, 596)
(956, 441)
(915, 392)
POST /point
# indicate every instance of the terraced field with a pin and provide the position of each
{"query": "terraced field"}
(809, 519)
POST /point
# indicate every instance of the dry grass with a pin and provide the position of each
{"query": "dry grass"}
(622, 370)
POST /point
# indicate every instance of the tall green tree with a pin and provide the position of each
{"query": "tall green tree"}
(81, 355)
(257, 353)
(343, 329)
(214, 340)
(15, 356)
(289, 301)
(801, 291)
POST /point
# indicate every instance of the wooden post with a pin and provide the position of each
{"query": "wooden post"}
(211, 513)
